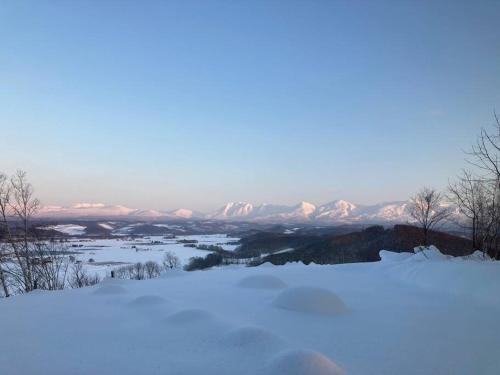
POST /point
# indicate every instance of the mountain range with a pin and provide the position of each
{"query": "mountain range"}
(338, 211)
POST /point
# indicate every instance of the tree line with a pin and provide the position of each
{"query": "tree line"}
(475, 193)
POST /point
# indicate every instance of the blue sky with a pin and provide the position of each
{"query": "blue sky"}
(165, 104)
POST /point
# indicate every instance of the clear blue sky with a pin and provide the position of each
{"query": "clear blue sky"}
(166, 104)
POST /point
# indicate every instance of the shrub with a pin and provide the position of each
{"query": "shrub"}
(80, 278)
(139, 271)
(200, 263)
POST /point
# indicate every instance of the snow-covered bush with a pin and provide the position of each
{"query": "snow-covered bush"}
(80, 278)
(170, 261)
(138, 271)
(152, 269)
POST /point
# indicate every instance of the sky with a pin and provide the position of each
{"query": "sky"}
(168, 104)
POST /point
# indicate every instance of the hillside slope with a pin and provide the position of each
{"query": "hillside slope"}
(359, 246)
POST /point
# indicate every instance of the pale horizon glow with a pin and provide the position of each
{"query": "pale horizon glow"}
(166, 105)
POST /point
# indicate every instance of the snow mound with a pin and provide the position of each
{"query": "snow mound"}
(110, 289)
(262, 282)
(252, 337)
(391, 256)
(428, 253)
(477, 256)
(310, 300)
(191, 316)
(148, 300)
(302, 362)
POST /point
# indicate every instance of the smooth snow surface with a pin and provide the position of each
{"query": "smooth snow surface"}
(406, 315)
(262, 282)
(252, 338)
(310, 300)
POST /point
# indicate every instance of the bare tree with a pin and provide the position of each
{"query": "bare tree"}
(473, 197)
(22, 206)
(50, 265)
(152, 269)
(485, 152)
(138, 271)
(427, 210)
(484, 155)
(79, 277)
(124, 272)
(170, 260)
(26, 262)
(4, 251)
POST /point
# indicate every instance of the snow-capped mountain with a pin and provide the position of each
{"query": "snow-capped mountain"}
(184, 213)
(388, 211)
(300, 212)
(233, 210)
(94, 210)
(86, 210)
(335, 212)
(269, 212)
(339, 211)
(146, 213)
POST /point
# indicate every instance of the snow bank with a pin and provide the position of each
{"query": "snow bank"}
(428, 253)
(477, 256)
(310, 300)
(475, 276)
(391, 256)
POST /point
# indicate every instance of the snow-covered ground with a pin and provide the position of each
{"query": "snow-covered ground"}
(111, 253)
(404, 315)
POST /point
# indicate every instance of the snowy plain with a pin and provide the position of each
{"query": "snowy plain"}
(108, 254)
(406, 314)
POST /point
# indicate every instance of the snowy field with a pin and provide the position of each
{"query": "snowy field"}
(401, 316)
(111, 253)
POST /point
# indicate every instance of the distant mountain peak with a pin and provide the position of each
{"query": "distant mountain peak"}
(335, 212)
(338, 209)
(184, 213)
(232, 210)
